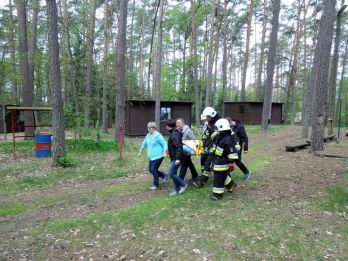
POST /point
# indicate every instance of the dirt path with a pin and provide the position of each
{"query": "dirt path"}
(287, 177)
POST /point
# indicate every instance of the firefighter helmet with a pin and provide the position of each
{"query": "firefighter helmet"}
(208, 111)
(222, 125)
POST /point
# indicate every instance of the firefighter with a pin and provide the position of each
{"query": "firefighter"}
(224, 154)
(210, 116)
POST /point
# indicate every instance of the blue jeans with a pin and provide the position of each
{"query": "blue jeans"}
(153, 168)
(178, 182)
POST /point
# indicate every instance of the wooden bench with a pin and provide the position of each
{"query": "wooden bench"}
(330, 138)
(296, 147)
(325, 139)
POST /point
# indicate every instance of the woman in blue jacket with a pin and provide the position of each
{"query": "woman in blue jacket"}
(156, 149)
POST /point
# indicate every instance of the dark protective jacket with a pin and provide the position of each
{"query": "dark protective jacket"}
(240, 132)
(224, 151)
(208, 134)
(175, 145)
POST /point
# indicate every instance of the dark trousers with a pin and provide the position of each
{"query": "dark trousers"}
(240, 164)
(187, 163)
(206, 162)
(153, 168)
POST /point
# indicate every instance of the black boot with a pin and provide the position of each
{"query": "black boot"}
(217, 196)
(230, 187)
(201, 180)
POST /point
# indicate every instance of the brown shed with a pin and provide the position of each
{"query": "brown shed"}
(6, 114)
(251, 112)
(140, 112)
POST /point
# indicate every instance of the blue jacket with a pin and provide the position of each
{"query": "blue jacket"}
(156, 145)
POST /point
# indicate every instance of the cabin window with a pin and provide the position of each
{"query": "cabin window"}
(241, 109)
(166, 113)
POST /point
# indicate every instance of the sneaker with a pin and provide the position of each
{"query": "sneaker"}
(230, 190)
(174, 193)
(246, 176)
(165, 178)
(153, 187)
(182, 189)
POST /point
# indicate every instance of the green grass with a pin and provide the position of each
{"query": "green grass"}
(15, 208)
(256, 129)
(336, 199)
(77, 146)
(234, 225)
(60, 177)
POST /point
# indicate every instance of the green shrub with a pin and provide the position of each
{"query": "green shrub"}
(82, 146)
(67, 161)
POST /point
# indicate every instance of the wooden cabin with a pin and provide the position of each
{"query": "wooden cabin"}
(140, 112)
(5, 119)
(251, 112)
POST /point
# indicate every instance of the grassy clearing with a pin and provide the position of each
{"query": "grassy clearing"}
(186, 227)
(93, 161)
(217, 230)
(337, 198)
(15, 208)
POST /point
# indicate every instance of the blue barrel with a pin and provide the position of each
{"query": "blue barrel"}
(43, 145)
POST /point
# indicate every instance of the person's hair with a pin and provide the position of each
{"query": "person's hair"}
(152, 125)
(170, 123)
(181, 119)
(229, 119)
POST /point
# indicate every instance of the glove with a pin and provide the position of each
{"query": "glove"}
(237, 147)
(231, 167)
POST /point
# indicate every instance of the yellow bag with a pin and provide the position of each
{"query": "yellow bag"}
(193, 147)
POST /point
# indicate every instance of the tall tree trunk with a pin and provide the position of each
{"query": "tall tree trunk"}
(151, 51)
(262, 52)
(333, 73)
(340, 90)
(158, 65)
(246, 59)
(267, 104)
(322, 61)
(130, 81)
(33, 46)
(216, 52)
(224, 55)
(308, 114)
(105, 67)
(294, 68)
(55, 82)
(194, 62)
(141, 69)
(305, 69)
(89, 65)
(121, 49)
(210, 56)
(289, 85)
(27, 92)
(11, 42)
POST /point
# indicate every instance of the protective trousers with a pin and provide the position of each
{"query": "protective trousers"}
(221, 181)
(206, 163)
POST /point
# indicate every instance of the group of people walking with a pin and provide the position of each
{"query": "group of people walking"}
(223, 142)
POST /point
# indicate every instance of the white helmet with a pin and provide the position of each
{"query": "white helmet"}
(208, 111)
(222, 125)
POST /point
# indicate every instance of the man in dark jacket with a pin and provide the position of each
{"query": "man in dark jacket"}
(176, 156)
(239, 131)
